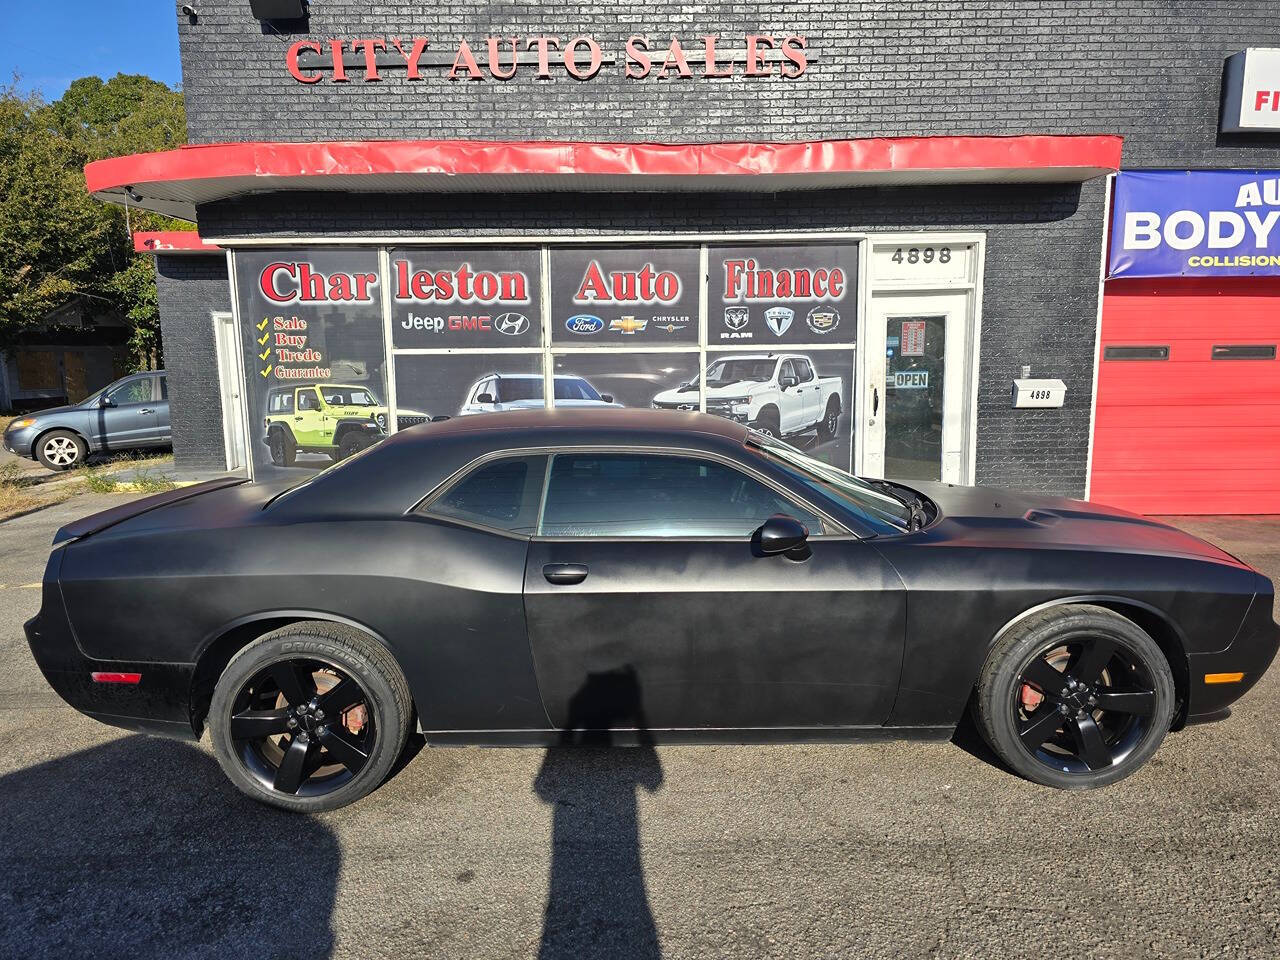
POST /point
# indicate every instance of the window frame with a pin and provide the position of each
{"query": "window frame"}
(834, 527)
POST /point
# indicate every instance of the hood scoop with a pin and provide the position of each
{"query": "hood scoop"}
(1042, 518)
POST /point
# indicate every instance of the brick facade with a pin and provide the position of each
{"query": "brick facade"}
(189, 290)
(1149, 71)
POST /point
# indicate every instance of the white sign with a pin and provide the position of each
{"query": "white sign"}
(911, 379)
(921, 259)
(1251, 91)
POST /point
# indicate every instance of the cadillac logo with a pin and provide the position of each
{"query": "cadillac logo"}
(735, 318)
(512, 324)
(823, 319)
(779, 319)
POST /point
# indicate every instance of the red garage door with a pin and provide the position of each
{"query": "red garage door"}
(1188, 416)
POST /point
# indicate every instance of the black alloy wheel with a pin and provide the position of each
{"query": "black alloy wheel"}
(310, 717)
(830, 423)
(302, 727)
(1083, 706)
(1075, 697)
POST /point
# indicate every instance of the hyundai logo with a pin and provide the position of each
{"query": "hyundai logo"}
(512, 324)
(584, 324)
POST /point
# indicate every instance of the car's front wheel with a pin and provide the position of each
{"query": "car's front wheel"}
(310, 717)
(1075, 697)
(284, 452)
(60, 450)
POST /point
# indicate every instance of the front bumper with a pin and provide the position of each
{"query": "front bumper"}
(19, 442)
(1250, 653)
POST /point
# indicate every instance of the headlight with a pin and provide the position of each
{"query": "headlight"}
(382, 419)
(22, 423)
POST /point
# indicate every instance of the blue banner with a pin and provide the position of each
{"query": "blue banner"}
(1195, 223)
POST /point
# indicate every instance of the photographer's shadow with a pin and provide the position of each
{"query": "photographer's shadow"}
(597, 903)
(139, 848)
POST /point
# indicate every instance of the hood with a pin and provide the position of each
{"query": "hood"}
(73, 408)
(996, 516)
(737, 388)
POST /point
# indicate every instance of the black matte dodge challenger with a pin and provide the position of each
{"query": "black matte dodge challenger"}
(510, 578)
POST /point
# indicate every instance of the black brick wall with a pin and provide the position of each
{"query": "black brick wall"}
(1147, 69)
(190, 289)
(1039, 305)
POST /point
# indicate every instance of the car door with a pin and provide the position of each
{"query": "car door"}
(644, 567)
(809, 390)
(127, 416)
(308, 418)
(791, 400)
(164, 431)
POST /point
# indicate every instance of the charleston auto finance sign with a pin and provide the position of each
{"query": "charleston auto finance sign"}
(1171, 223)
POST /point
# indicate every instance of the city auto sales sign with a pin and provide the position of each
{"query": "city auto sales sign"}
(582, 58)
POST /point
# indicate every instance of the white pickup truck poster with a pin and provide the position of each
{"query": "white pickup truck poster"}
(783, 294)
(802, 396)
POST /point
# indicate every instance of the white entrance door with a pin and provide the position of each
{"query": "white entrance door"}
(916, 383)
(230, 376)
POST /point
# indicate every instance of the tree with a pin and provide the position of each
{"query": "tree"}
(57, 242)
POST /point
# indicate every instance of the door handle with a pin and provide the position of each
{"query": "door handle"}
(565, 573)
(297, 419)
(146, 410)
(875, 400)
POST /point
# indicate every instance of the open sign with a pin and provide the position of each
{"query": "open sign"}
(910, 379)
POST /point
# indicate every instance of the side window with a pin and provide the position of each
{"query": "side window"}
(135, 391)
(804, 370)
(654, 495)
(164, 388)
(502, 494)
(786, 371)
(307, 400)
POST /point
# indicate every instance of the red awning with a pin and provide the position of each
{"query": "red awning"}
(175, 181)
(171, 241)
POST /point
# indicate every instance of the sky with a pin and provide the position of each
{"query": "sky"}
(49, 43)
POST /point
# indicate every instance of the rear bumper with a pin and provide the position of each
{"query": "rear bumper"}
(157, 704)
(1251, 653)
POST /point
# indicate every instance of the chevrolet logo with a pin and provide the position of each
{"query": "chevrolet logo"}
(628, 325)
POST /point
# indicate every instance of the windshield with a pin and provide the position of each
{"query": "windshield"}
(757, 369)
(575, 389)
(348, 396)
(884, 513)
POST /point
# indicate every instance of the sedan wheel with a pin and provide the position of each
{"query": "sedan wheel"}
(310, 717)
(1076, 697)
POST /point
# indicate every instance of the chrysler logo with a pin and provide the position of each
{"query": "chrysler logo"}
(512, 324)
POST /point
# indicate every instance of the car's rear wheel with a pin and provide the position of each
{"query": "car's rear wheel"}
(830, 421)
(284, 452)
(60, 450)
(310, 717)
(1075, 697)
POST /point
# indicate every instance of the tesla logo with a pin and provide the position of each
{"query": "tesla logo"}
(779, 319)
(628, 325)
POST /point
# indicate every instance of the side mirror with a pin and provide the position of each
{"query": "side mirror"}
(785, 535)
(787, 382)
(607, 397)
(106, 401)
(485, 398)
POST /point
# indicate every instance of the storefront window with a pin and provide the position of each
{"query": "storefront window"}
(315, 384)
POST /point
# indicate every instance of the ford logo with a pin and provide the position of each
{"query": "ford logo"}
(584, 323)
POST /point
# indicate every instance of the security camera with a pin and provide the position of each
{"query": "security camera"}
(189, 10)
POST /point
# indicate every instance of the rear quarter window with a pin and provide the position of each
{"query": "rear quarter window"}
(501, 494)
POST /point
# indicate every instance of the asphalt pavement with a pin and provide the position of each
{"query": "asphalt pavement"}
(119, 845)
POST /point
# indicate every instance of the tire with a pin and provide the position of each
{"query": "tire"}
(284, 451)
(61, 450)
(1092, 683)
(829, 425)
(768, 423)
(350, 444)
(268, 727)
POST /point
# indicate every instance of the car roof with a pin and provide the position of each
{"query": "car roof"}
(401, 470)
(528, 376)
